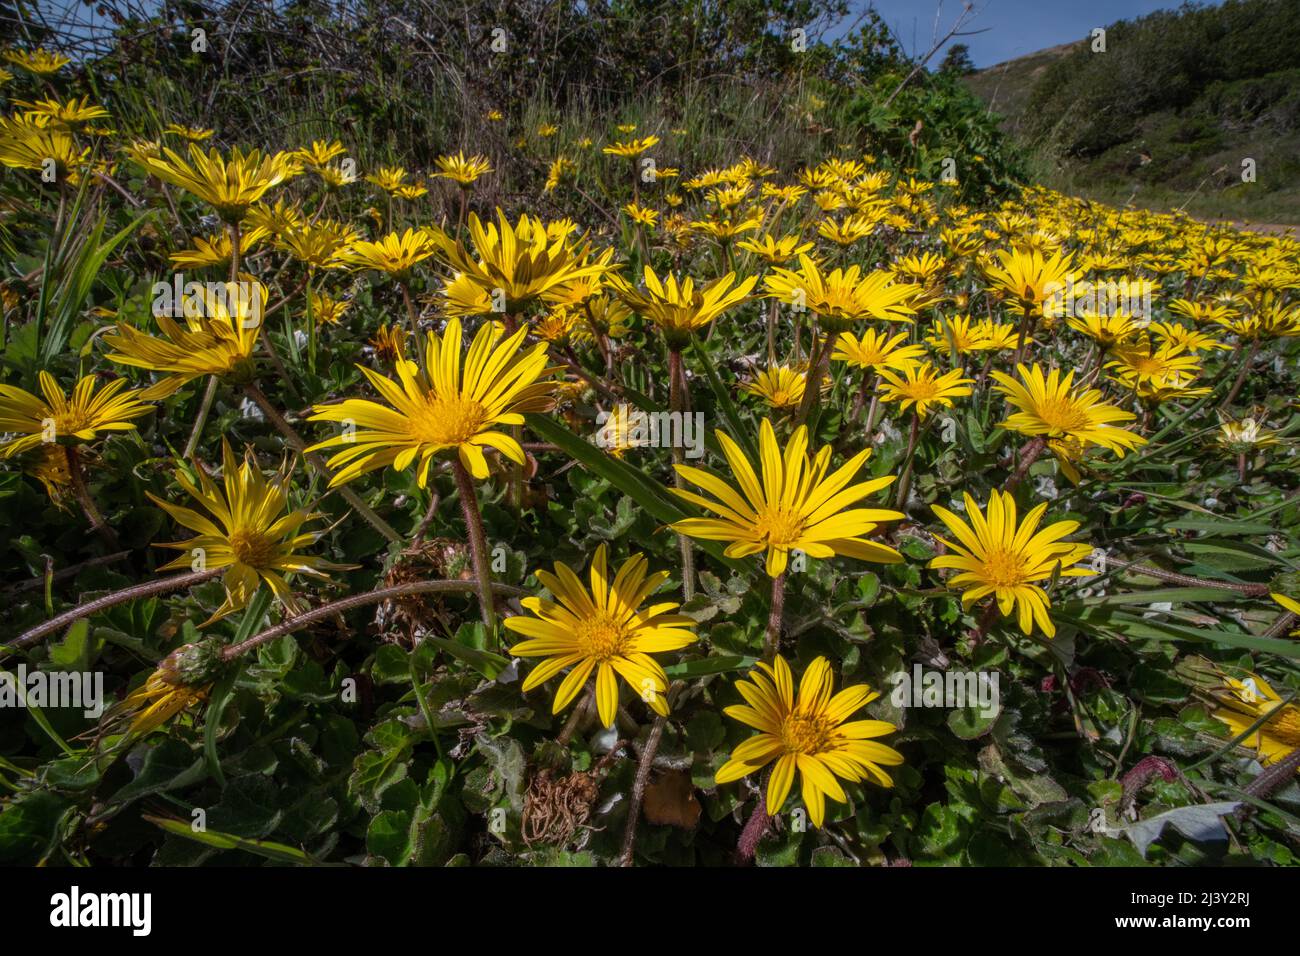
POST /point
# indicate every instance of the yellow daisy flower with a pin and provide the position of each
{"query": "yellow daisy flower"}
(876, 350)
(393, 254)
(253, 534)
(632, 148)
(462, 170)
(39, 61)
(1047, 406)
(447, 405)
(920, 386)
(218, 338)
(57, 417)
(230, 185)
(807, 733)
(603, 629)
(842, 297)
(1245, 701)
(678, 308)
(996, 555)
(796, 505)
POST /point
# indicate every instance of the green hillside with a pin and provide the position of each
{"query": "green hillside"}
(1169, 114)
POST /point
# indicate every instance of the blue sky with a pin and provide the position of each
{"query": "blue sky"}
(1012, 27)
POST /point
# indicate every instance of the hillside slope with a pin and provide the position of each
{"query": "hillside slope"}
(1169, 116)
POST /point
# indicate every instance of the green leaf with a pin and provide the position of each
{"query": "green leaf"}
(718, 664)
(647, 493)
(267, 849)
(485, 662)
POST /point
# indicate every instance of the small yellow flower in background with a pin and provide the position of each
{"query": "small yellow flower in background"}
(562, 168)
(807, 733)
(462, 170)
(920, 386)
(39, 61)
(410, 191)
(324, 244)
(781, 386)
(230, 185)
(852, 229)
(876, 350)
(729, 197)
(216, 249)
(1142, 363)
(559, 325)
(49, 465)
(335, 177)
(30, 144)
(631, 149)
(678, 309)
(956, 332)
(64, 114)
(277, 220)
(625, 427)
(1046, 405)
(923, 269)
(155, 702)
(994, 336)
(449, 404)
(524, 260)
(195, 134)
(843, 297)
(388, 178)
(1178, 336)
(1028, 279)
(796, 505)
(1106, 329)
(394, 255)
(782, 194)
(320, 153)
(254, 534)
(547, 130)
(603, 629)
(1243, 702)
(641, 215)
(1203, 312)
(1246, 435)
(727, 229)
(775, 251)
(997, 555)
(327, 310)
(56, 417)
(389, 343)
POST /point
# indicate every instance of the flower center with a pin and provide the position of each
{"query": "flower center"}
(447, 421)
(1062, 414)
(252, 548)
(602, 638)
(70, 422)
(1004, 568)
(780, 527)
(804, 734)
(1284, 726)
(921, 390)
